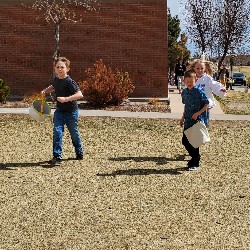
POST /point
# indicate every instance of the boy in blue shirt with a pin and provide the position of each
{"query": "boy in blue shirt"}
(67, 92)
(196, 103)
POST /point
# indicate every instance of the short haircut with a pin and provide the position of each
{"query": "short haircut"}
(190, 73)
(62, 59)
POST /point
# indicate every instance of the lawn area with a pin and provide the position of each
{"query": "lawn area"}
(235, 102)
(130, 192)
(243, 69)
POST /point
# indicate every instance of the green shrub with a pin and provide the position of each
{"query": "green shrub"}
(4, 91)
(102, 86)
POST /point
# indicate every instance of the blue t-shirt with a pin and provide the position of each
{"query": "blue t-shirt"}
(64, 88)
(194, 100)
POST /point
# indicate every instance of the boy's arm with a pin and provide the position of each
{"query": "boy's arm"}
(74, 97)
(48, 90)
(195, 115)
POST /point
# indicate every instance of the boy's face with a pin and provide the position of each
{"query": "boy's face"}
(199, 69)
(61, 69)
(189, 82)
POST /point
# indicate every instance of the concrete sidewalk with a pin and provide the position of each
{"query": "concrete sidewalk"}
(127, 114)
(175, 105)
(216, 113)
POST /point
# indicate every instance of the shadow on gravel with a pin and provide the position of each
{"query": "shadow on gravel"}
(44, 164)
(11, 165)
(157, 160)
(148, 171)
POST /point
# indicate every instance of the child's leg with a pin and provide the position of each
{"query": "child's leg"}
(193, 152)
(182, 82)
(179, 83)
(58, 132)
(72, 124)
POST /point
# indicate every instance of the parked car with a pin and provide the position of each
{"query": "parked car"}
(239, 78)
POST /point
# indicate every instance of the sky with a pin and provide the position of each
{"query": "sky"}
(174, 6)
(175, 9)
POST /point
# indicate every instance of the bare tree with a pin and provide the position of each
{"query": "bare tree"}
(218, 26)
(57, 11)
(199, 20)
(233, 26)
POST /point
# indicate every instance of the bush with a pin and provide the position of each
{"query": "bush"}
(105, 87)
(4, 91)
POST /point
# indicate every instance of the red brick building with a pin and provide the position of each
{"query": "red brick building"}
(128, 34)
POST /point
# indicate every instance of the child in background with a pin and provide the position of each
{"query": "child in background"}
(229, 84)
(196, 103)
(223, 75)
(205, 82)
(180, 69)
(67, 92)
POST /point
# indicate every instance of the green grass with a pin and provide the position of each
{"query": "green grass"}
(236, 102)
(244, 69)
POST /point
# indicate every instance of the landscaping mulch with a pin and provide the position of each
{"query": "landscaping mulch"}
(126, 106)
(131, 191)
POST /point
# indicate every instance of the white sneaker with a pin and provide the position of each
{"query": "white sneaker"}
(194, 168)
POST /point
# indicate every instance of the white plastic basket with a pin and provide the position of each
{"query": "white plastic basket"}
(35, 110)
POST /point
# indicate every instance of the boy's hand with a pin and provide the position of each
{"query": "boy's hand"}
(62, 99)
(181, 122)
(195, 116)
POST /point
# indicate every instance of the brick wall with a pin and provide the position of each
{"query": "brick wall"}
(130, 35)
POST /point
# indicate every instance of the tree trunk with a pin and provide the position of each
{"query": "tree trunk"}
(57, 48)
(223, 56)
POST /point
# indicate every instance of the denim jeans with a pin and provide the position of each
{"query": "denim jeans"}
(206, 121)
(70, 119)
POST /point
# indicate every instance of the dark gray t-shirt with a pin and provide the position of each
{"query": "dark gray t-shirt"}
(64, 88)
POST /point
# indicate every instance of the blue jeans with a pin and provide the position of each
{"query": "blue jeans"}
(206, 121)
(70, 119)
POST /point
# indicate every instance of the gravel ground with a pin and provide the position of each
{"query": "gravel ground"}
(131, 191)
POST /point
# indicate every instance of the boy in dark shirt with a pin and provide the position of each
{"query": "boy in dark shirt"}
(67, 92)
(196, 103)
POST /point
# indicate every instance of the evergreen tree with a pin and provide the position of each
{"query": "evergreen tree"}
(177, 49)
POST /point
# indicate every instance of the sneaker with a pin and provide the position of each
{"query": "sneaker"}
(55, 161)
(194, 168)
(79, 156)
